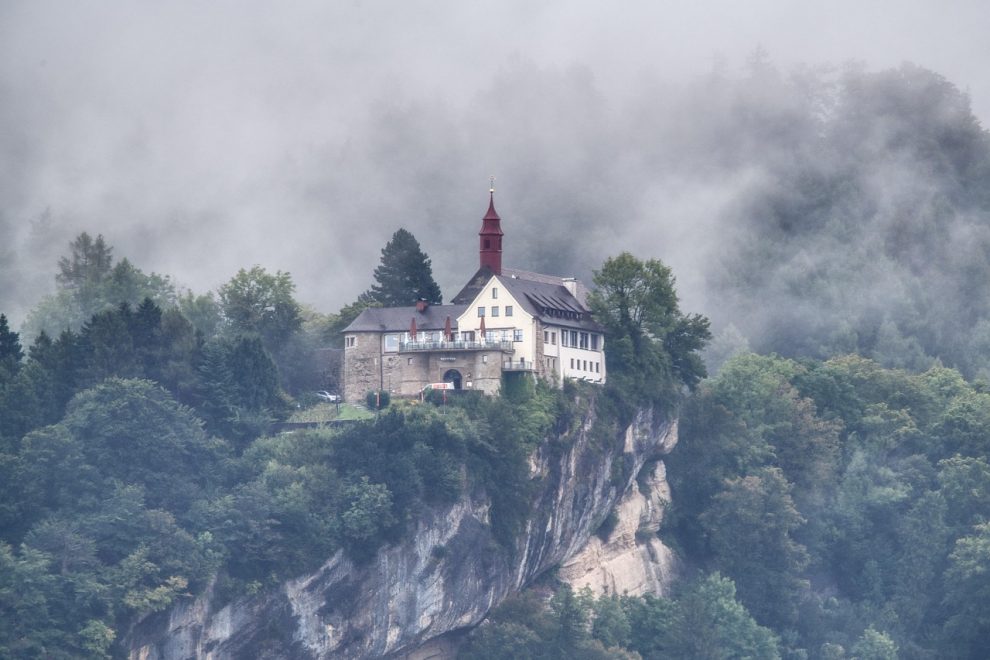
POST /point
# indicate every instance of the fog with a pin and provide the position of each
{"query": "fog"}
(202, 138)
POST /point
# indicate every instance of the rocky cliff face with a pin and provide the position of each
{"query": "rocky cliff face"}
(444, 577)
(630, 559)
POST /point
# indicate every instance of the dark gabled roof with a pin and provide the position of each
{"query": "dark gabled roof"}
(483, 274)
(582, 291)
(546, 298)
(473, 287)
(399, 319)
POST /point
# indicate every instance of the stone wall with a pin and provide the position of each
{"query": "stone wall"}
(362, 371)
(539, 355)
(405, 374)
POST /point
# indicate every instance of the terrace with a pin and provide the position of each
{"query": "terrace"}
(455, 345)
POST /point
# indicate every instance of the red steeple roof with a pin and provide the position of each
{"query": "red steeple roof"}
(490, 243)
(492, 215)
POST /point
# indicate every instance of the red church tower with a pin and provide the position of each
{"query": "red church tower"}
(490, 236)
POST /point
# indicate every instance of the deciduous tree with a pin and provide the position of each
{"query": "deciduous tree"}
(649, 342)
(255, 301)
(750, 526)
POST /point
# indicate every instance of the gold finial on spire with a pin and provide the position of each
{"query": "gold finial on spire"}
(492, 189)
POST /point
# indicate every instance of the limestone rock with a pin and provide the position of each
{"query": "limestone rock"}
(632, 560)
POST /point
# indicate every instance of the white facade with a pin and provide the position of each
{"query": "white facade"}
(578, 354)
(505, 320)
(557, 351)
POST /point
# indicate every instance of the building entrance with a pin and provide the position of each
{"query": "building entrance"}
(453, 376)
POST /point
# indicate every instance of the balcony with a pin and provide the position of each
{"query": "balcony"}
(518, 365)
(425, 346)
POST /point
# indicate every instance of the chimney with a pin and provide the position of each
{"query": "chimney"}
(421, 305)
(570, 283)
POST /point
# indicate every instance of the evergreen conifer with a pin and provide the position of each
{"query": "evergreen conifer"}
(405, 274)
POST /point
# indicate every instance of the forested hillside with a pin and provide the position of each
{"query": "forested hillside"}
(118, 500)
(867, 227)
(823, 510)
(830, 492)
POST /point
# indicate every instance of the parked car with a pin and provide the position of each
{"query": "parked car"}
(326, 396)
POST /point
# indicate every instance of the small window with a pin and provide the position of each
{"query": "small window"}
(597, 367)
(481, 312)
(574, 338)
(494, 310)
(488, 244)
(563, 338)
(585, 367)
(584, 340)
(391, 343)
(594, 342)
(408, 360)
(546, 336)
(572, 363)
(494, 293)
(553, 338)
(350, 342)
(484, 358)
(517, 334)
(508, 310)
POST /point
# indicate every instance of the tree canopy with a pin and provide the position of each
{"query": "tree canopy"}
(650, 344)
(89, 282)
(258, 301)
(848, 502)
(88, 263)
(404, 275)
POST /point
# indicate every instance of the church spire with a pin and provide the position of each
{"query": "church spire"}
(490, 245)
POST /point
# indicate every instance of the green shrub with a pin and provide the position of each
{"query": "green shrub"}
(383, 399)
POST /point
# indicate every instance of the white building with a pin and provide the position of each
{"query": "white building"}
(503, 323)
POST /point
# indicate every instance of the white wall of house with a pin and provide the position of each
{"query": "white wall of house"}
(577, 359)
(494, 296)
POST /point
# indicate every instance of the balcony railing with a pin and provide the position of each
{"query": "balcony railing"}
(518, 365)
(414, 346)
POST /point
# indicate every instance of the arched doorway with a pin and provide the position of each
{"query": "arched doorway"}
(453, 376)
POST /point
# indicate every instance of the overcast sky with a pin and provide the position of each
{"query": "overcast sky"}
(204, 137)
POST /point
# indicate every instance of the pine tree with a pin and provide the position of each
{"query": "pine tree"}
(405, 274)
(90, 262)
(10, 345)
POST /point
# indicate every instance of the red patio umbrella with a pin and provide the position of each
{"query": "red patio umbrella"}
(447, 332)
(412, 330)
(482, 331)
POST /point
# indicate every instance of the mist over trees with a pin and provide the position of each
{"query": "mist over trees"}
(818, 210)
(88, 282)
(815, 213)
(869, 229)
